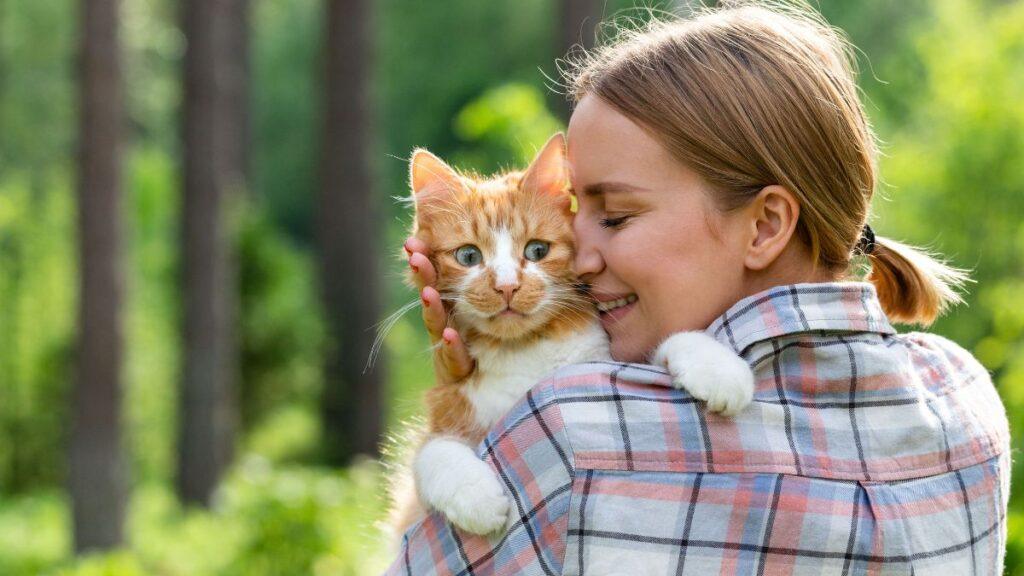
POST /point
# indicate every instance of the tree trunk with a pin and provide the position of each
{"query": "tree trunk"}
(578, 20)
(97, 476)
(236, 80)
(214, 166)
(347, 238)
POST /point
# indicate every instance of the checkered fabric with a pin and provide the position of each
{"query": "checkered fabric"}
(864, 452)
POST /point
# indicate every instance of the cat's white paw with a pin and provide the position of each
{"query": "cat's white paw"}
(451, 479)
(479, 506)
(708, 370)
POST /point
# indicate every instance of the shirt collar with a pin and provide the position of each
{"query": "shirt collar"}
(833, 307)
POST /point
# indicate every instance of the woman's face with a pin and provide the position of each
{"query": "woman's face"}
(650, 242)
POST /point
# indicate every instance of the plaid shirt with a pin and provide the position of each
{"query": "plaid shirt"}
(864, 452)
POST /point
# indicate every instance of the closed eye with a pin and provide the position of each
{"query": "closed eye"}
(613, 222)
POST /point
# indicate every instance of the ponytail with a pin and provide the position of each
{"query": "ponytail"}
(913, 286)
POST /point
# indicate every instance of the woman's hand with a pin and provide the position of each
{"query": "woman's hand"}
(452, 362)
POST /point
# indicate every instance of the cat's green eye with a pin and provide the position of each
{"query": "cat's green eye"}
(468, 255)
(536, 250)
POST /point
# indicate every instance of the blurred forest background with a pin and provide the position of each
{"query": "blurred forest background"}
(187, 300)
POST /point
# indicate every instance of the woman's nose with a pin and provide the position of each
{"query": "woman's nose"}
(589, 262)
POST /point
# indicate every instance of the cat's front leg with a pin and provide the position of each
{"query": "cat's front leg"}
(708, 370)
(451, 479)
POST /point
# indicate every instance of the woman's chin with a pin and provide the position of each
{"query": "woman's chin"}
(624, 350)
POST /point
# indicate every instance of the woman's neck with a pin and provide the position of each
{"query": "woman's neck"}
(793, 266)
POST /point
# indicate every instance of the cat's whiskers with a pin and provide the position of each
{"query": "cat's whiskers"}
(560, 303)
(557, 313)
(566, 302)
(383, 328)
(568, 297)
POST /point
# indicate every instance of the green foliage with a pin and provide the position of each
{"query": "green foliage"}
(267, 522)
(33, 534)
(281, 334)
(150, 317)
(37, 91)
(37, 299)
(289, 515)
(285, 110)
(507, 123)
(110, 564)
(153, 48)
(281, 327)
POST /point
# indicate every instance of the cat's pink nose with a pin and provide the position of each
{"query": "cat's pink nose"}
(508, 290)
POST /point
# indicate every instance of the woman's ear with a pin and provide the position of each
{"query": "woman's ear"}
(773, 213)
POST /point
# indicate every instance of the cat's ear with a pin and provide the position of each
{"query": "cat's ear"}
(430, 178)
(548, 174)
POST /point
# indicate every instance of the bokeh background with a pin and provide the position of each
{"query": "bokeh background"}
(239, 238)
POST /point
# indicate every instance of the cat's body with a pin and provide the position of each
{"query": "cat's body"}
(445, 466)
(503, 251)
(503, 375)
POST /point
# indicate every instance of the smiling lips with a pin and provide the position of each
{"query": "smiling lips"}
(610, 305)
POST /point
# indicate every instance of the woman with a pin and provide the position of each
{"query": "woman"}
(724, 169)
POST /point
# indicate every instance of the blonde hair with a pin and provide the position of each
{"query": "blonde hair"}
(754, 94)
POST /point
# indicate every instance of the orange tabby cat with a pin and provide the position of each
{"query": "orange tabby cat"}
(503, 250)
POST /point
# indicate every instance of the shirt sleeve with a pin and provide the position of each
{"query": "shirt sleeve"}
(530, 454)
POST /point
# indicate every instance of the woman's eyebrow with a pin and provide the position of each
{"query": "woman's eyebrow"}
(600, 188)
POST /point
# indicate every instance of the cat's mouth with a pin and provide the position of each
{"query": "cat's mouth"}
(508, 312)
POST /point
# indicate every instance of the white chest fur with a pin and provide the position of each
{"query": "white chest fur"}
(506, 375)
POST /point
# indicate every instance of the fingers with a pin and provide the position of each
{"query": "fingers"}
(455, 356)
(433, 312)
(423, 270)
(414, 244)
(453, 362)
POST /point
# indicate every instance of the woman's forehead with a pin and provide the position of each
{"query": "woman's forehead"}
(607, 149)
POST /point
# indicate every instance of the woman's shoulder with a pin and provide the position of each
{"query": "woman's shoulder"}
(625, 416)
(937, 356)
(592, 383)
(607, 381)
(962, 389)
(610, 413)
(603, 374)
(584, 397)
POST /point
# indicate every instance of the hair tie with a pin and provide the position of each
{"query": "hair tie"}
(866, 244)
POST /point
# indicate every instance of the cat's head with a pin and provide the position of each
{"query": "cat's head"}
(502, 246)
